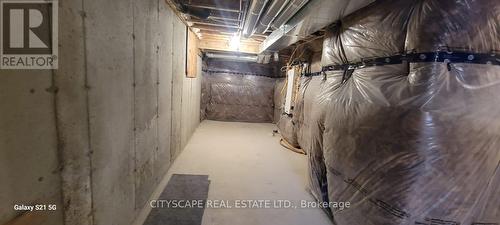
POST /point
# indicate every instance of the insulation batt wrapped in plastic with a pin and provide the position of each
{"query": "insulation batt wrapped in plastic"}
(312, 129)
(279, 100)
(233, 97)
(410, 143)
(288, 129)
(287, 123)
(374, 31)
(385, 35)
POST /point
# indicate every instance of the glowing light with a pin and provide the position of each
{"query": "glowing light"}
(234, 42)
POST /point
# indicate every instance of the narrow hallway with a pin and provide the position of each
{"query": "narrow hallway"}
(249, 112)
(244, 161)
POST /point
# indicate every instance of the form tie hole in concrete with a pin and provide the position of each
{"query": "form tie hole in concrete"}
(40, 179)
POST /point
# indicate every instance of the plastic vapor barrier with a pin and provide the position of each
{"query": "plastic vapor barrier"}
(408, 143)
(374, 31)
(279, 100)
(232, 97)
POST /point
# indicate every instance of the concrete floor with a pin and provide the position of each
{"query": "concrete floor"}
(244, 161)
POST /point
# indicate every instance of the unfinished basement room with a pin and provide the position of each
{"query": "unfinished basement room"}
(250, 112)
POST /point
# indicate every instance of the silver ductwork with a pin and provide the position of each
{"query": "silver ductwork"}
(252, 17)
(290, 9)
(313, 17)
(232, 57)
(270, 15)
(192, 11)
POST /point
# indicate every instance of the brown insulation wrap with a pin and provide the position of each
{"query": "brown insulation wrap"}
(410, 143)
(469, 25)
(406, 149)
(233, 97)
(374, 31)
(279, 99)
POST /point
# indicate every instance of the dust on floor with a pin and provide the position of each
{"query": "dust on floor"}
(245, 161)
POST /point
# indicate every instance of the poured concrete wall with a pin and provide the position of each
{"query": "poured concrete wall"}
(29, 166)
(97, 135)
(178, 56)
(191, 99)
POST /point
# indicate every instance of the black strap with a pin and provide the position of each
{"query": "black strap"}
(446, 57)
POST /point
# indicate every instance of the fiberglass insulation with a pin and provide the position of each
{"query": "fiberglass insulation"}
(232, 97)
(411, 143)
(238, 91)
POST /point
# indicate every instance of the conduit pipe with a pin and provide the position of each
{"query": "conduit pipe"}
(252, 17)
(314, 16)
(270, 15)
(288, 12)
(232, 57)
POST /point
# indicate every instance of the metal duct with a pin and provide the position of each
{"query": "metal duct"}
(270, 15)
(293, 7)
(253, 16)
(314, 16)
(199, 13)
(202, 14)
(232, 57)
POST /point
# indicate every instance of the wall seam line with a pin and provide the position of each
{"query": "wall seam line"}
(133, 108)
(60, 157)
(158, 81)
(87, 106)
(172, 142)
